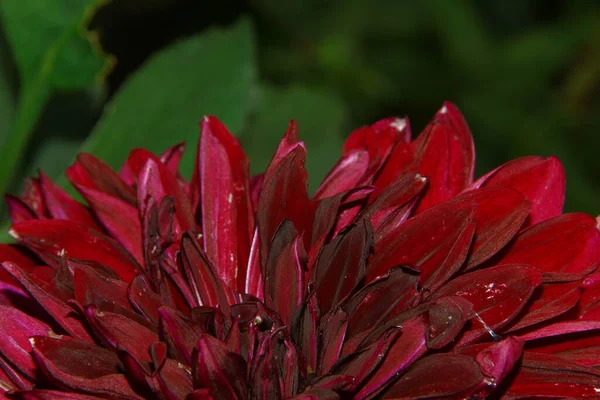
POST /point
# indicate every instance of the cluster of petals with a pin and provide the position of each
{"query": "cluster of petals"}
(402, 277)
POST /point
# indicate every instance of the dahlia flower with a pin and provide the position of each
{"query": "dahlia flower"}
(402, 277)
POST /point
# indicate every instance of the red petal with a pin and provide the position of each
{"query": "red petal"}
(16, 328)
(543, 375)
(500, 213)
(59, 311)
(18, 210)
(304, 329)
(438, 376)
(498, 294)
(347, 174)
(392, 205)
(364, 362)
(332, 334)
(62, 206)
(114, 330)
(253, 283)
(218, 369)
(227, 218)
(341, 265)
(284, 272)
(90, 172)
(561, 328)
(180, 334)
(51, 395)
(380, 300)
(405, 350)
(284, 196)
(435, 243)
(156, 182)
(541, 180)
(206, 285)
(445, 155)
(549, 301)
(563, 248)
(62, 238)
(81, 367)
(120, 219)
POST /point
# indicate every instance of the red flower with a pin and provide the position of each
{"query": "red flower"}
(400, 278)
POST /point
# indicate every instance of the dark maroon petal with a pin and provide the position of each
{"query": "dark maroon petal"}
(200, 394)
(143, 299)
(541, 180)
(549, 301)
(399, 161)
(447, 318)
(380, 300)
(13, 253)
(16, 328)
(304, 329)
(180, 333)
(392, 205)
(218, 369)
(341, 265)
(284, 196)
(563, 248)
(364, 362)
(115, 330)
(81, 367)
(406, 349)
(174, 380)
(547, 376)
(156, 182)
(438, 376)
(561, 328)
(284, 272)
(498, 294)
(444, 153)
(62, 206)
(59, 311)
(202, 277)
(435, 243)
(18, 210)
(317, 394)
(227, 219)
(332, 333)
(500, 213)
(119, 218)
(32, 197)
(253, 281)
(347, 174)
(497, 359)
(172, 157)
(90, 172)
(61, 238)
(90, 287)
(51, 395)
(582, 348)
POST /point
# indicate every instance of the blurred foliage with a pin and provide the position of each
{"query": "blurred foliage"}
(526, 74)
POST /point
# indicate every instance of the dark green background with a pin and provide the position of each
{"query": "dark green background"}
(76, 73)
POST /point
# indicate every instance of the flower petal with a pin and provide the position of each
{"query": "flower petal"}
(444, 153)
(563, 248)
(541, 180)
(498, 294)
(500, 213)
(456, 376)
(227, 219)
(60, 238)
(61, 362)
(218, 369)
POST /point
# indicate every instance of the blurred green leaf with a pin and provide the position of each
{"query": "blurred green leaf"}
(320, 118)
(7, 100)
(162, 103)
(51, 51)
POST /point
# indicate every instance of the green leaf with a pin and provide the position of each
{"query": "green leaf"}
(51, 51)
(163, 102)
(320, 118)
